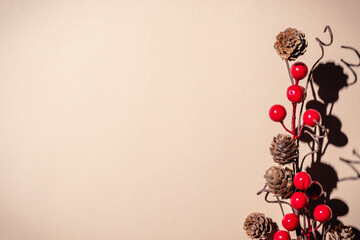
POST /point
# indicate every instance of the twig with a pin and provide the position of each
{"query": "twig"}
(277, 199)
(316, 140)
(321, 44)
(288, 68)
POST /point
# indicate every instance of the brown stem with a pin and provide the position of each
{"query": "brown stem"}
(316, 140)
(288, 68)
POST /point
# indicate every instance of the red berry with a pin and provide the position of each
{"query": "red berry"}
(299, 200)
(322, 213)
(309, 116)
(281, 235)
(277, 113)
(315, 190)
(299, 70)
(290, 221)
(295, 93)
(302, 180)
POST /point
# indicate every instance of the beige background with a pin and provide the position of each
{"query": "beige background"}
(148, 119)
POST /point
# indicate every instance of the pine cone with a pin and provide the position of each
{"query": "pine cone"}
(290, 44)
(280, 181)
(341, 232)
(284, 149)
(257, 225)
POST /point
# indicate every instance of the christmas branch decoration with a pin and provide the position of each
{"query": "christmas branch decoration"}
(286, 181)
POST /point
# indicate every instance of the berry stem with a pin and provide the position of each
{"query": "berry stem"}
(300, 130)
(288, 68)
(309, 228)
(293, 120)
(282, 123)
(303, 230)
(318, 226)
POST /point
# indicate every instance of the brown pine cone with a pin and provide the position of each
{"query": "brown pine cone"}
(290, 44)
(284, 149)
(341, 232)
(280, 181)
(257, 225)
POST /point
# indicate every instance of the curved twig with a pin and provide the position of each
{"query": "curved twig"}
(282, 210)
(316, 140)
(321, 44)
(277, 201)
(309, 79)
(262, 190)
(323, 128)
(327, 28)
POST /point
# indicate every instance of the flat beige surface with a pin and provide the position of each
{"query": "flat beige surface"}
(148, 120)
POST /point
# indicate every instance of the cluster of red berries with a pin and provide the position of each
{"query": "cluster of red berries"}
(295, 94)
(307, 189)
(299, 200)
